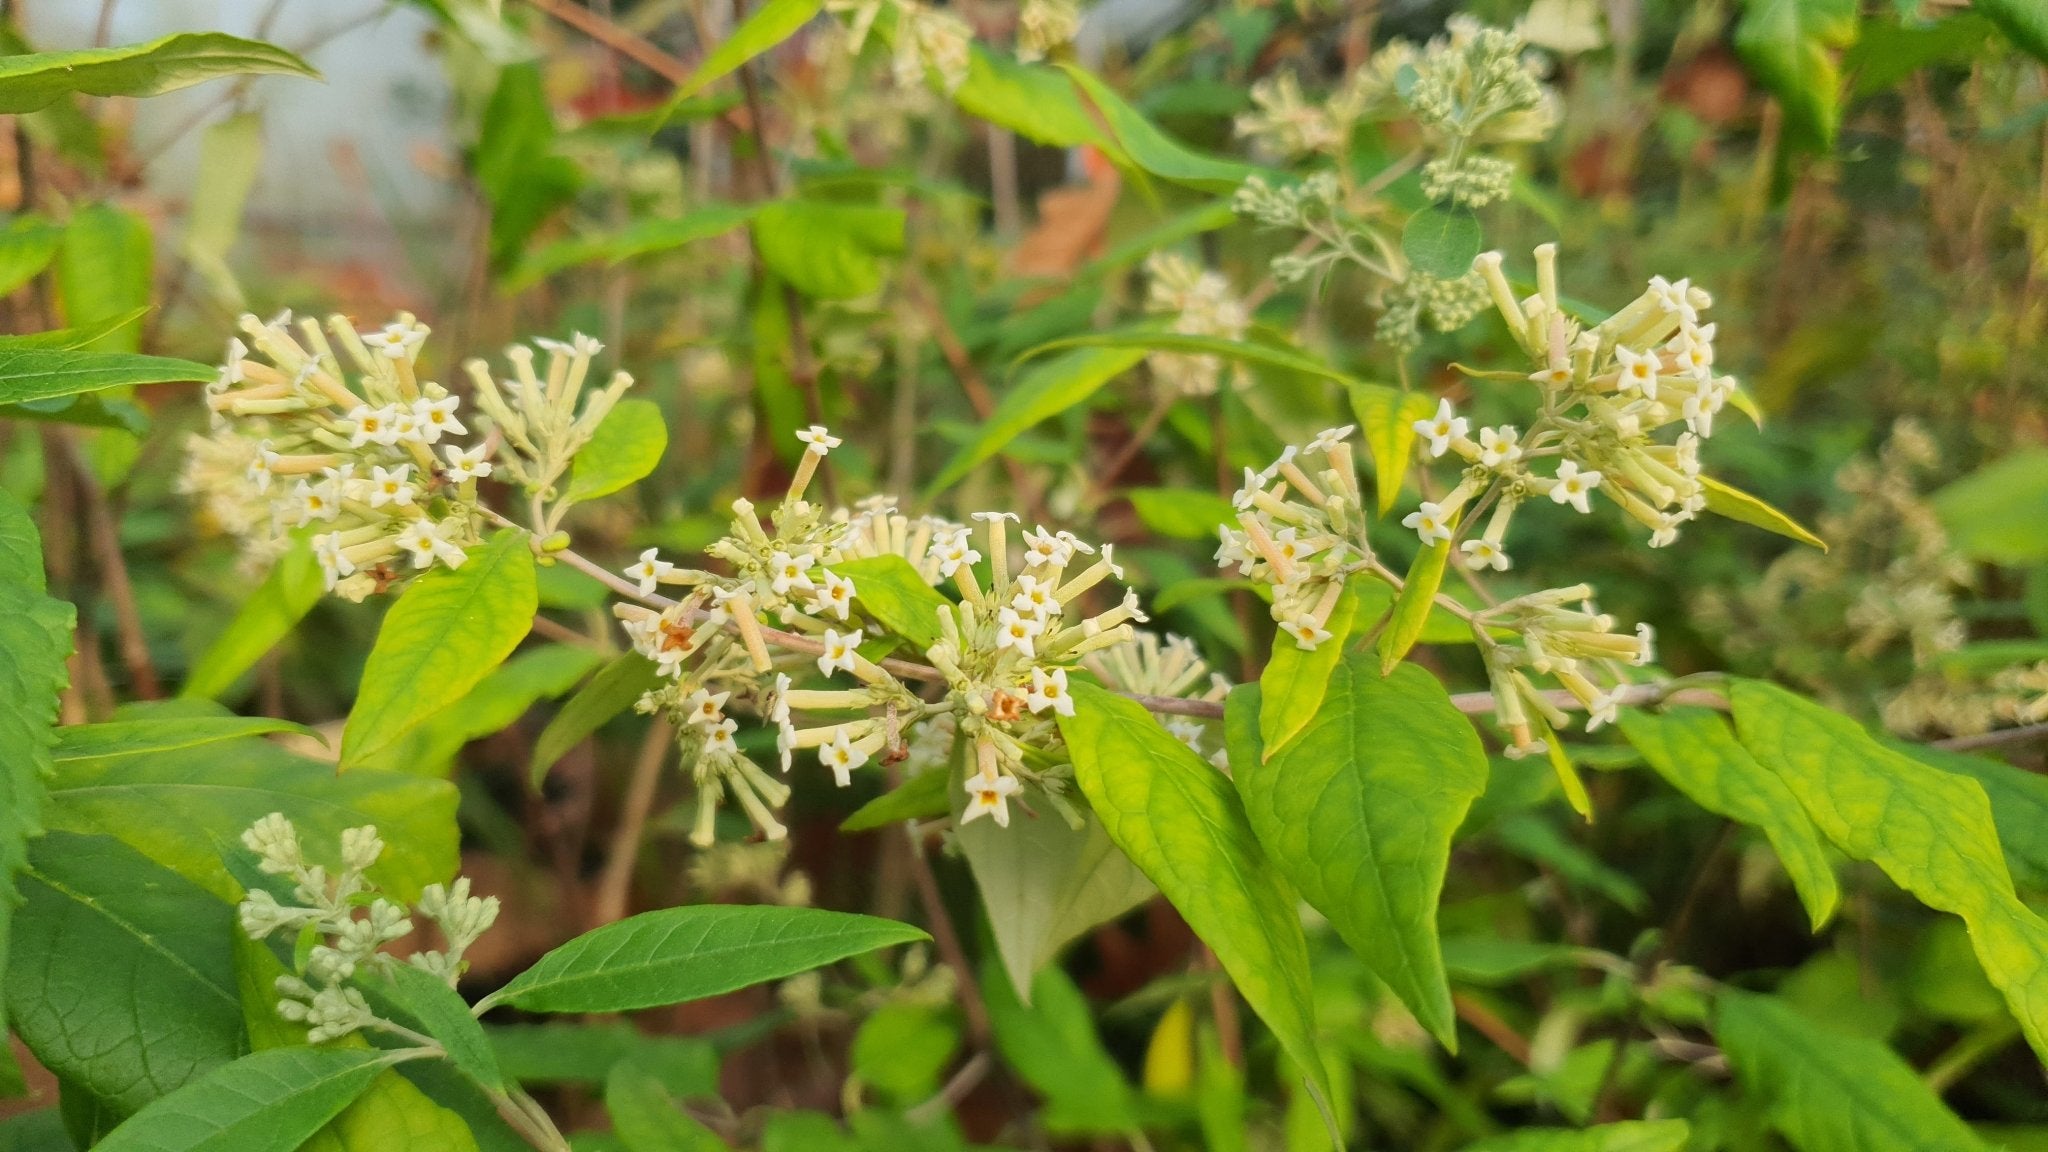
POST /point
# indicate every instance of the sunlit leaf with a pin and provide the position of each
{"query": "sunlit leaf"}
(624, 449)
(41, 373)
(887, 588)
(764, 28)
(37, 79)
(1415, 605)
(1735, 504)
(1627, 1136)
(1152, 149)
(826, 250)
(1292, 685)
(1388, 416)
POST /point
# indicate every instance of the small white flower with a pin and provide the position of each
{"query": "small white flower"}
(1329, 439)
(1441, 429)
(1674, 298)
(1499, 447)
(1483, 553)
(704, 708)
(778, 700)
(1698, 411)
(231, 368)
(391, 486)
(466, 465)
(1573, 486)
(1035, 596)
(315, 503)
(836, 596)
(1044, 549)
(1429, 522)
(1647, 636)
(334, 563)
(1555, 376)
(1049, 690)
(423, 540)
(840, 651)
(819, 440)
(995, 517)
(1306, 631)
(1638, 371)
(437, 417)
(718, 737)
(989, 797)
(1244, 498)
(842, 758)
(396, 340)
(786, 572)
(365, 425)
(260, 469)
(950, 550)
(405, 425)
(1602, 709)
(1016, 630)
(649, 571)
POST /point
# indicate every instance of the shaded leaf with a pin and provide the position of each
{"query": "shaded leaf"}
(496, 703)
(27, 245)
(41, 373)
(614, 689)
(642, 238)
(444, 1016)
(1152, 149)
(1794, 47)
(1442, 242)
(267, 1102)
(266, 616)
(646, 1119)
(922, 797)
(1045, 391)
(1627, 1136)
(1185, 513)
(764, 28)
(105, 269)
(2000, 512)
(109, 744)
(1053, 1045)
(825, 250)
(2019, 806)
(2024, 22)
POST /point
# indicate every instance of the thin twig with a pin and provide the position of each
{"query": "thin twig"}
(615, 885)
(948, 941)
(1140, 436)
(2003, 736)
(616, 38)
(563, 634)
(1487, 1024)
(956, 1089)
(104, 537)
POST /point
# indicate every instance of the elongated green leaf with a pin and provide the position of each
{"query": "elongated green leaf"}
(445, 634)
(623, 450)
(887, 588)
(825, 250)
(1051, 1042)
(764, 28)
(1186, 513)
(230, 156)
(1696, 751)
(1997, 512)
(1736, 504)
(560, 1053)
(1388, 416)
(1179, 820)
(111, 743)
(219, 789)
(1414, 606)
(446, 1018)
(2019, 806)
(1358, 813)
(1627, 1136)
(518, 168)
(1930, 831)
(496, 703)
(123, 976)
(2023, 21)
(1153, 150)
(680, 954)
(36, 80)
(1292, 685)
(1157, 340)
(266, 1102)
(1442, 242)
(41, 373)
(643, 238)
(1032, 100)
(1830, 1091)
(1794, 48)
(106, 268)
(922, 797)
(613, 690)
(266, 617)
(646, 1119)
(1043, 392)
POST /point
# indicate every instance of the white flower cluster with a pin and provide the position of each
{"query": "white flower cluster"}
(1201, 303)
(1301, 529)
(352, 922)
(928, 40)
(1565, 642)
(376, 469)
(876, 528)
(1044, 25)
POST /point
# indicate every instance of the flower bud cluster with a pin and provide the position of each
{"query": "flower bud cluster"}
(352, 922)
(1149, 664)
(1558, 634)
(1301, 529)
(1201, 303)
(1473, 85)
(1045, 25)
(928, 40)
(371, 463)
(543, 418)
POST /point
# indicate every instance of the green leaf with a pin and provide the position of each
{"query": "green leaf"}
(521, 175)
(1388, 416)
(1830, 1091)
(1736, 504)
(1045, 391)
(1153, 150)
(230, 156)
(2019, 806)
(1414, 606)
(764, 28)
(1052, 1044)
(644, 238)
(111, 743)
(646, 1119)
(680, 954)
(1696, 751)
(1152, 339)
(1184, 513)
(219, 789)
(1179, 820)
(1032, 100)
(2000, 512)
(1627, 1136)
(41, 373)
(267, 1102)
(1442, 242)
(492, 706)
(828, 251)
(105, 269)
(1930, 831)
(624, 449)
(266, 617)
(35, 642)
(902, 1049)
(445, 634)
(887, 588)
(559, 1053)
(1292, 684)
(1793, 47)
(922, 797)
(614, 689)
(41, 1130)
(443, 1015)
(1496, 960)
(1888, 53)
(27, 245)
(1358, 811)
(38, 79)
(1534, 838)
(2024, 22)
(122, 980)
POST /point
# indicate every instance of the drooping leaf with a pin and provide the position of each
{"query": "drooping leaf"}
(1442, 242)
(1052, 1044)
(680, 954)
(1046, 390)
(1358, 813)
(1696, 751)
(1032, 100)
(624, 449)
(825, 250)
(1415, 605)
(1627, 1136)
(922, 797)
(887, 588)
(645, 1118)
(36, 80)
(1292, 685)
(443, 1015)
(614, 689)
(2024, 22)
(1828, 1090)
(41, 373)
(1794, 47)
(265, 1102)
(445, 634)
(1152, 149)
(1179, 820)
(1388, 417)
(764, 28)
(220, 789)
(122, 979)
(1930, 831)
(266, 617)
(1998, 512)
(1735, 504)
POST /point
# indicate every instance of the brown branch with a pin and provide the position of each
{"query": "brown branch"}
(614, 886)
(1483, 1021)
(948, 940)
(2003, 736)
(103, 536)
(623, 41)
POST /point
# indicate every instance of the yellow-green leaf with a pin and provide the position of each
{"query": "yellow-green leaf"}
(36, 80)
(1387, 416)
(1735, 504)
(266, 616)
(1292, 684)
(1412, 608)
(887, 588)
(1045, 391)
(764, 28)
(624, 449)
